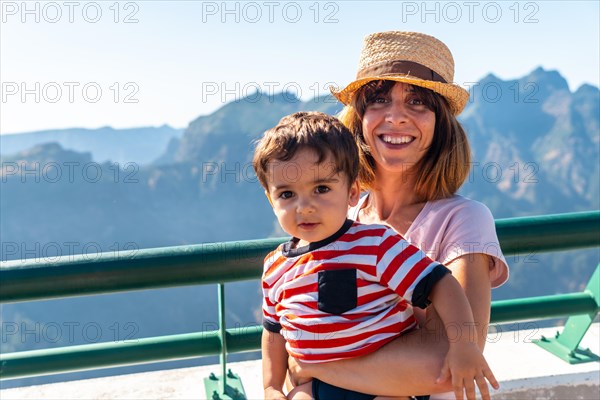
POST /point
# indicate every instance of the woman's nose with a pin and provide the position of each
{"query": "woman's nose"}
(396, 113)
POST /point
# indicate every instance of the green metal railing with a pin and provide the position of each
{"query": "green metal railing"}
(217, 263)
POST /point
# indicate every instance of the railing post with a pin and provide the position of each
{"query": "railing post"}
(217, 387)
(566, 344)
(222, 337)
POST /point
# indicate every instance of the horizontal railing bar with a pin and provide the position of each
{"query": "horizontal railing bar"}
(33, 279)
(546, 233)
(99, 273)
(113, 354)
(542, 307)
(165, 348)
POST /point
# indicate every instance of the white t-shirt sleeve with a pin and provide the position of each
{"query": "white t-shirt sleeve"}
(462, 227)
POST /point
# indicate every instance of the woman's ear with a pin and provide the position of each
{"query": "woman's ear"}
(354, 194)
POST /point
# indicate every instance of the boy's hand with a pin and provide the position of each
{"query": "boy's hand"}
(465, 363)
(297, 372)
(274, 394)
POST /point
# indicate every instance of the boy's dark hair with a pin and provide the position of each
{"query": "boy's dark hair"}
(319, 132)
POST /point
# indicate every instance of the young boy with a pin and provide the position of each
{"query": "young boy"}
(339, 288)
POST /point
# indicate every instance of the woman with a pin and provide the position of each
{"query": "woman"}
(414, 157)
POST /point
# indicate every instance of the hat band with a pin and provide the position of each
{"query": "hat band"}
(401, 67)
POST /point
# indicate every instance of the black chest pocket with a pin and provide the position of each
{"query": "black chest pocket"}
(337, 290)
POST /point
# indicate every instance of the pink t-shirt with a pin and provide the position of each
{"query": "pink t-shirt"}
(449, 228)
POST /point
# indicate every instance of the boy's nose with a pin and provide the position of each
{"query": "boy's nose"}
(305, 206)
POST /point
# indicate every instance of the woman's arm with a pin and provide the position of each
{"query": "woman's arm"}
(472, 271)
(411, 364)
(464, 365)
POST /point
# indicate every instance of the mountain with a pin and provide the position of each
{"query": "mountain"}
(536, 151)
(137, 145)
(536, 143)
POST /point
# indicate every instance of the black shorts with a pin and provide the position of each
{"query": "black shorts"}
(325, 391)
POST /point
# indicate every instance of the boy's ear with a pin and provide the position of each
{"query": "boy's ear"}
(354, 194)
(269, 197)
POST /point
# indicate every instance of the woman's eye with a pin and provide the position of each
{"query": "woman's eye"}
(322, 189)
(285, 195)
(416, 102)
(379, 100)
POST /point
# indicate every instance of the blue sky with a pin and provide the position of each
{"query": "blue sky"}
(148, 63)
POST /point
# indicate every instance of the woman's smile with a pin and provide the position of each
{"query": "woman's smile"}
(391, 139)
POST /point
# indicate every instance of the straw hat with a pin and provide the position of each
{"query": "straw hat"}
(410, 57)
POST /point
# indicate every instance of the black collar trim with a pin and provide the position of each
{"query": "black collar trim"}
(289, 250)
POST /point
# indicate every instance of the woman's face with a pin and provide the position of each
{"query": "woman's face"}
(398, 128)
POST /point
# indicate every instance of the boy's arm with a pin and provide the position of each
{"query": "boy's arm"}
(274, 360)
(464, 360)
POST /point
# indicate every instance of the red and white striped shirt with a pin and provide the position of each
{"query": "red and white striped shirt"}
(347, 295)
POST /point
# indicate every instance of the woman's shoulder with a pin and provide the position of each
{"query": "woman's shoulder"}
(457, 201)
(465, 226)
(456, 219)
(459, 206)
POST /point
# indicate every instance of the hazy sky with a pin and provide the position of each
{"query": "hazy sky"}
(146, 63)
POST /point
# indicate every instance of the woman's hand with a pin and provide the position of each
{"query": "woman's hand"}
(298, 371)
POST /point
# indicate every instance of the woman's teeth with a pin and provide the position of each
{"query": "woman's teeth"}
(397, 140)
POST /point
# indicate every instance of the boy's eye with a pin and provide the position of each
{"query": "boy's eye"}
(285, 195)
(322, 189)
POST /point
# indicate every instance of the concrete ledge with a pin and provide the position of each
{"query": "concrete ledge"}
(570, 386)
(183, 383)
(525, 371)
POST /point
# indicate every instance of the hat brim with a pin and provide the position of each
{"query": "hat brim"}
(457, 96)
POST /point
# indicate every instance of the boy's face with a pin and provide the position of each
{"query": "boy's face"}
(309, 199)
